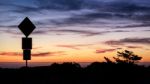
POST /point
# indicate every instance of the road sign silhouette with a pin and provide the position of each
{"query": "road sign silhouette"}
(26, 54)
(27, 43)
(26, 26)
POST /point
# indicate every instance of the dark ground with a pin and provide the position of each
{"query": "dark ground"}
(73, 73)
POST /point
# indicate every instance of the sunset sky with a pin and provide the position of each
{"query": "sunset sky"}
(75, 30)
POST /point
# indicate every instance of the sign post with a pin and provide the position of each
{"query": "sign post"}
(26, 27)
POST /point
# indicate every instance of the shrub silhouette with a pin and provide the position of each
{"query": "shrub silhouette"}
(125, 57)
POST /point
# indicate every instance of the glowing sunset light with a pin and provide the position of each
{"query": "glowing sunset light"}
(75, 32)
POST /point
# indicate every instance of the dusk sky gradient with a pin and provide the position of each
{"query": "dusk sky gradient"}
(75, 30)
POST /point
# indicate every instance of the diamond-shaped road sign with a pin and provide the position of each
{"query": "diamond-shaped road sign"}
(26, 26)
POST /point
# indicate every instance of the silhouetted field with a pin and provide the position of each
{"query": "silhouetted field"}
(73, 73)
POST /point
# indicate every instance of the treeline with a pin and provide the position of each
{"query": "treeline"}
(73, 73)
(123, 70)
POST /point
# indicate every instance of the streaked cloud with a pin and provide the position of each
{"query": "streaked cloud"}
(105, 50)
(134, 47)
(58, 53)
(81, 32)
(36, 48)
(129, 40)
(10, 54)
(74, 46)
(69, 46)
(136, 40)
(63, 31)
(39, 54)
(113, 42)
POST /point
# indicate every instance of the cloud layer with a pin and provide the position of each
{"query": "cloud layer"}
(40, 54)
(74, 46)
(129, 40)
(105, 50)
(76, 12)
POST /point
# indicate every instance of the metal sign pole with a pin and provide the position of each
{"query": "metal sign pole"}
(26, 63)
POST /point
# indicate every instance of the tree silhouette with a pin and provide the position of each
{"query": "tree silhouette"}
(108, 60)
(125, 57)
